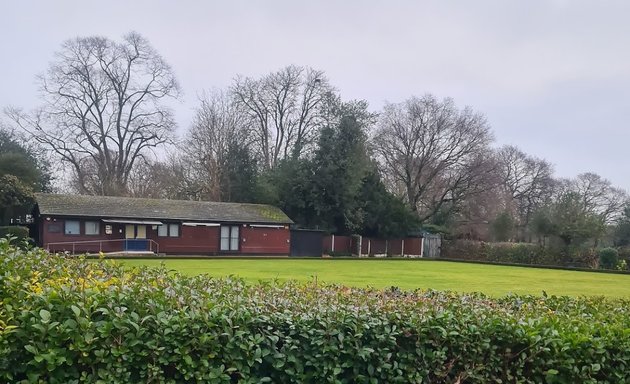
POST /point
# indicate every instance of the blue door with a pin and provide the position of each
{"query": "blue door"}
(136, 238)
(136, 244)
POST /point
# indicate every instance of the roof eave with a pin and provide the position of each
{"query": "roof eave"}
(289, 222)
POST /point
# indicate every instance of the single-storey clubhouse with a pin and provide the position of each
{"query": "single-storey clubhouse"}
(78, 223)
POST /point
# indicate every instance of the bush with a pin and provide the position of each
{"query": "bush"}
(14, 231)
(608, 258)
(516, 253)
(521, 253)
(71, 320)
(465, 250)
(19, 233)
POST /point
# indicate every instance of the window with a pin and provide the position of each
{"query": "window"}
(168, 230)
(229, 238)
(72, 227)
(173, 230)
(92, 228)
(162, 230)
(54, 228)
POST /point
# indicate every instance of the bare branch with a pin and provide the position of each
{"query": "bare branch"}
(285, 107)
(102, 109)
(432, 153)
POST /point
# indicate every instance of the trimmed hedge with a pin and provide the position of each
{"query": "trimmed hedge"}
(520, 253)
(67, 320)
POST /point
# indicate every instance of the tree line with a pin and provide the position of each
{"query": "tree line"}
(290, 139)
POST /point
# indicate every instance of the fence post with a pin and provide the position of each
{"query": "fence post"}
(402, 247)
(422, 246)
(332, 243)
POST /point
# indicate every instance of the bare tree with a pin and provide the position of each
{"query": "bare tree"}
(478, 211)
(527, 181)
(598, 196)
(165, 179)
(216, 127)
(284, 110)
(103, 109)
(434, 153)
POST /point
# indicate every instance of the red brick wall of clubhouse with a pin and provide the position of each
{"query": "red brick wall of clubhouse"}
(253, 239)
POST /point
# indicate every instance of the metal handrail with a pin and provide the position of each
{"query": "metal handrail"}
(100, 244)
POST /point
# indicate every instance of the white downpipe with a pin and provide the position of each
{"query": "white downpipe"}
(422, 247)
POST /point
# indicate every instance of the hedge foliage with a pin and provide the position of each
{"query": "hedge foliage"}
(14, 231)
(520, 253)
(608, 258)
(68, 320)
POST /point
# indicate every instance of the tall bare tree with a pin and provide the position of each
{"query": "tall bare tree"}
(598, 196)
(527, 181)
(217, 127)
(284, 110)
(434, 153)
(169, 178)
(103, 109)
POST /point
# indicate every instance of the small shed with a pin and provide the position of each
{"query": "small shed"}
(306, 242)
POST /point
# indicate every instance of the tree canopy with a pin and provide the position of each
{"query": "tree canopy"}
(289, 138)
(102, 109)
(23, 171)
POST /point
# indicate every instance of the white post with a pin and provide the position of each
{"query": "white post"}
(402, 248)
(422, 246)
(369, 247)
(332, 245)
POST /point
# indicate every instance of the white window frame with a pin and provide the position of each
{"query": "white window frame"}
(78, 227)
(169, 230)
(162, 230)
(89, 233)
(232, 238)
(173, 230)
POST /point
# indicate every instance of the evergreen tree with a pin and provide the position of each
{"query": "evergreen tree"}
(340, 164)
(622, 229)
(24, 162)
(22, 172)
(238, 178)
(503, 226)
(16, 199)
(385, 215)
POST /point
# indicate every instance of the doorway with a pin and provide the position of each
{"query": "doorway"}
(136, 237)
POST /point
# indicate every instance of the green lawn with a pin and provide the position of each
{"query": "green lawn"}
(408, 274)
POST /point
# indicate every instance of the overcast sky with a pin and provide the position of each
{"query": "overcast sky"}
(552, 77)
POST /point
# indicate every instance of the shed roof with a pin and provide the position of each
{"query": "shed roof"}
(141, 208)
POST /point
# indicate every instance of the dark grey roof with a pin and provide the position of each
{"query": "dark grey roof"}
(128, 207)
